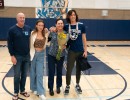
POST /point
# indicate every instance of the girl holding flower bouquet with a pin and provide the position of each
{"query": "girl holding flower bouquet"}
(56, 55)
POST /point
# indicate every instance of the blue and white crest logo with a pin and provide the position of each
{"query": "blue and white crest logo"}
(73, 34)
(50, 9)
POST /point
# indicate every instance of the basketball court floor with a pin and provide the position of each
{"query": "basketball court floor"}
(108, 79)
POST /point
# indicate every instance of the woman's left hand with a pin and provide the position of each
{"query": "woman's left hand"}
(52, 29)
(85, 54)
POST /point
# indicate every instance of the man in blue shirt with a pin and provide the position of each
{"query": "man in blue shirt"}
(19, 49)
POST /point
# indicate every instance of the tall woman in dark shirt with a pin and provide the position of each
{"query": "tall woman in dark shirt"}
(38, 43)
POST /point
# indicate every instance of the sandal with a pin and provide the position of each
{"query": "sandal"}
(15, 97)
(25, 94)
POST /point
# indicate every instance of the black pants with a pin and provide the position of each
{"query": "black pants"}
(72, 57)
(52, 65)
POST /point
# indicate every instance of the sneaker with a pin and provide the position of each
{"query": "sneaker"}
(42, 97)
(78, 89)
(67, 90)
(51, 92)
(35, 92)
(58, 90)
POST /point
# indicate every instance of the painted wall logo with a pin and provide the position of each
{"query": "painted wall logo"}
(52, 9)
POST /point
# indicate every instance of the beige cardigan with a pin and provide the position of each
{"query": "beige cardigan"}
(32, 40)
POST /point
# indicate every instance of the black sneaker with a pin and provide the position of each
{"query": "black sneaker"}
(58, 90)
(78, 89)
(67, 90)
(51, 92)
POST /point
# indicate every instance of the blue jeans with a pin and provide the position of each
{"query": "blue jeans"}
(52, 65)
(36, 73)
(20, 72)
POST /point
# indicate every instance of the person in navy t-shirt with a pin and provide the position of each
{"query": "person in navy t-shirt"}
(77, 46)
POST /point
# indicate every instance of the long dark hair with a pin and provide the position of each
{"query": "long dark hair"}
(36, 30)
(69, 14)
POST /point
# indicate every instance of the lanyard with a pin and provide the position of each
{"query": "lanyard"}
(73, 36)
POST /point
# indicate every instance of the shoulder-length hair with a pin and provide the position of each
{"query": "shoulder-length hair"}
(69, 14)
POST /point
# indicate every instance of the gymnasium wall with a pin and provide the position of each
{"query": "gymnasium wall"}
(104, 19)
(113, 14)
(88, 4)
(95, 29)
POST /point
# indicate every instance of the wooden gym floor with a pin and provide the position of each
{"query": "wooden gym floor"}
(108, 79)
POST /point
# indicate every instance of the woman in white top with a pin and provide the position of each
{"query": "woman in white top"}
(38, 44)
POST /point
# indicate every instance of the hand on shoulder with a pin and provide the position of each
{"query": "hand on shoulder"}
(46, 30)
(52, 29)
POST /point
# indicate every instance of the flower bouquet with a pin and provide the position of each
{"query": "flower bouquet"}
(62, 40)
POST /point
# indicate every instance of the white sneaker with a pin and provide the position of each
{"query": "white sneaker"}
(35, 92)
(42, 97)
